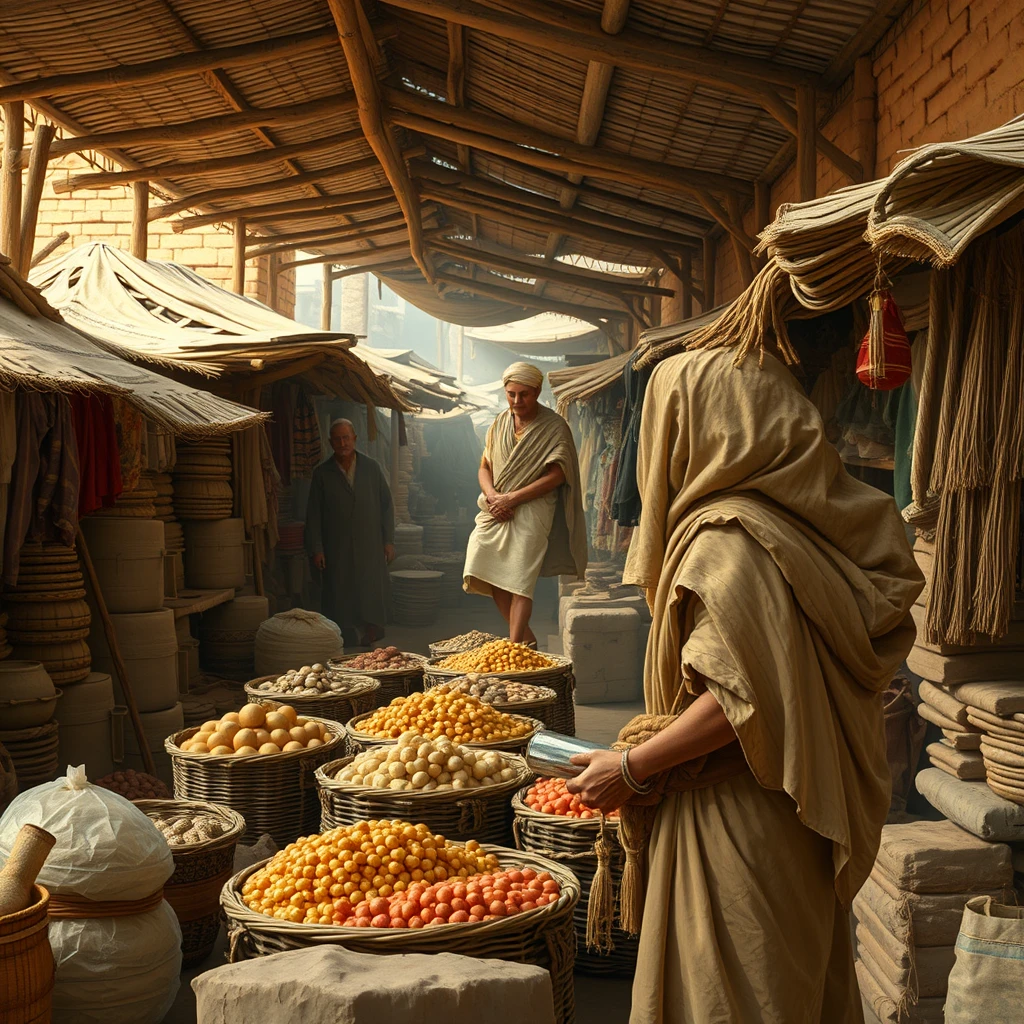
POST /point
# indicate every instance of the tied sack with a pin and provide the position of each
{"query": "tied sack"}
(988, 977)
(883, 361)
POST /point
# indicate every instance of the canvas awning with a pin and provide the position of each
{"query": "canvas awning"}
(41, 352)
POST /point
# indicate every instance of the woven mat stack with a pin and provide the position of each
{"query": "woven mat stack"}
(415, 596)
(5, 647)
(34, 753)
(48, 618)
(227, 636)
(908, 916)
(202, 480)
(135, 504)
(174, 536)
(451, 563)
(408, 539)
(438, 536)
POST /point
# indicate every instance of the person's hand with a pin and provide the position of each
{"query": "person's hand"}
(389, 553)
(601, 786)
(320, 561)
(502, 507)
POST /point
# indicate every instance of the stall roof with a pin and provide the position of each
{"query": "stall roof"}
(39, 351)
(169, 316)
(823, 254)
(422, 382)
(446, 144)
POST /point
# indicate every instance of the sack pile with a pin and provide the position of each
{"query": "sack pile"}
(909, 911)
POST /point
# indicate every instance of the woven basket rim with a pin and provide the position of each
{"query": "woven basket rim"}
(575, 824)
(560, 662)
(171, 745)
(325, 781)
(370, 686)
(386, 673)
(235, 821)
(438, 649)
(235, 909)
(365, 739)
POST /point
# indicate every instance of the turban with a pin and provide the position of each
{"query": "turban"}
(523, 373)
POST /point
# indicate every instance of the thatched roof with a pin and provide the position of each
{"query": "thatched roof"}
(168, 316)
(461, 148)
(40, 352)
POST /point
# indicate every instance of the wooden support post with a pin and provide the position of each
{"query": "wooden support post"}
(115, 652)
(743, 264)
(686, 285)
(238, 264)
(272, 282)
(10, 181)
(38, 160)
(325, 298)
(806, 143)
(864, 98)
(140, 220)
(51, 246)
(395, 454)
(710, 259)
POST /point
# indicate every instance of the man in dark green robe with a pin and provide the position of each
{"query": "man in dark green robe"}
(350, 534)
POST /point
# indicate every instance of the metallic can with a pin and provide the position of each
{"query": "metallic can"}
(548, 754)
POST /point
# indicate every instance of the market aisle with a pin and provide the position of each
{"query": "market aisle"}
(600, 999)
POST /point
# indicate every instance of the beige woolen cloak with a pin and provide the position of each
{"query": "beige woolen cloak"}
(546, 536)
(784, 586)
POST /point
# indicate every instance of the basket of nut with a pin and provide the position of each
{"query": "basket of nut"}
(202, 837)
(398, 672)
(319, 690)
(457, 791)
(436, 713)
(506, 695)
(463, 642)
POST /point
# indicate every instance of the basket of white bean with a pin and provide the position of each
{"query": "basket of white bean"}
(318, 690)
(457, 791)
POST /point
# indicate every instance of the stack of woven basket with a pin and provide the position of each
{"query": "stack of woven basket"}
(34, 753)
(415, 596)
(438, 536)
(174, 538)
(202, 480)
(408, 539)
(163, 502)
(227, 636)
(451, 564)
(5, 647)
(134, 504)
(48, 616)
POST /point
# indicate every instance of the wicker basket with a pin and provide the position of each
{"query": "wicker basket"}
(200, 871)
(558, 677)
(338, 707)
(481, 814)
(363, 740)
(398, 682)
(275, 793)
(544, 937)
(544, 708)
(442, 648)
(571, 841)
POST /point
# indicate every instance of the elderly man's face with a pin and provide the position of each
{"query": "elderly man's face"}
(343, 441)
(522, 400)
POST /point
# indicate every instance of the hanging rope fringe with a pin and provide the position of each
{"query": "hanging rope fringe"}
(601, 905)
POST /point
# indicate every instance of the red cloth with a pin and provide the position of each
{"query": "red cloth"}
(895, 368)
(98, 455)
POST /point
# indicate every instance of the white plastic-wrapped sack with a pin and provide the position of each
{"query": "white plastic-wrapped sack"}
(110, 970)
(295, 638)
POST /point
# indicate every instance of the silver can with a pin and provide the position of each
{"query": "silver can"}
(548, 754)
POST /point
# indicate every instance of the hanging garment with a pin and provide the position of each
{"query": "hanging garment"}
(130, 429)
(99, 457)
(307, 451)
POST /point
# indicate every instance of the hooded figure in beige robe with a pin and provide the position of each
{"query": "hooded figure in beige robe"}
(783, 586)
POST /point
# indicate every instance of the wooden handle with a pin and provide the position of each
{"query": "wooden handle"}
(115, 653)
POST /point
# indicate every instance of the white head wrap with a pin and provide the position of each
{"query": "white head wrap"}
(523, 373)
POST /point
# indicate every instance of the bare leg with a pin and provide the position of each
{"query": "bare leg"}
(503, 599)
(519, 620)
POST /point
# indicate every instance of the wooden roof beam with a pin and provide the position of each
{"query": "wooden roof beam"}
(374, 268)
(532, 146)
(455, 92)
(523, 197)
(187, 132)
(258, 188)
(339, 237)
(362, 258)
(527, 300)
(293, 209)
(559, 30)
(168, 68)
(199, 168)
(309, 234)
(349, 20)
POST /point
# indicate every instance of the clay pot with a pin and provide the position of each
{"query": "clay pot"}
(24, 680)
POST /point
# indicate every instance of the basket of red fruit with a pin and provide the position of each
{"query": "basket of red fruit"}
(552, 822)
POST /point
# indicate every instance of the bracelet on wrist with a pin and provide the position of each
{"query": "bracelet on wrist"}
(627, 777)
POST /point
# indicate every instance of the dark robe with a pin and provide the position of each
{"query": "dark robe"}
(351, 525)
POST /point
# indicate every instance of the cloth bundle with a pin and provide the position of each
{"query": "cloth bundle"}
(908, 914)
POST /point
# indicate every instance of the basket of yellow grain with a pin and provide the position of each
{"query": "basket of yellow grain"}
(506, 659)
(259, 762)
(436, 713)
(511, 695)
(479, 901)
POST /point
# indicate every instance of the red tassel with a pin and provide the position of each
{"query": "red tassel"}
(883, 362)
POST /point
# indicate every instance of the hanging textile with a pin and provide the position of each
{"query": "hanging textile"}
(279, 429)
(130, 428)
(626, 497)
(99, 459)
(44, 478)
(307, 452)
(161, 453)
(8, 453)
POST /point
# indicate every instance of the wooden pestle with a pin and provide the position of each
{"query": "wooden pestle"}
(31, 848)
